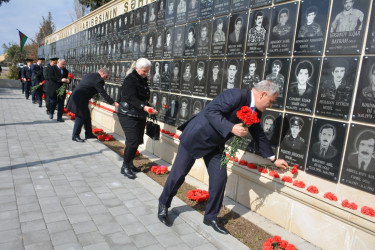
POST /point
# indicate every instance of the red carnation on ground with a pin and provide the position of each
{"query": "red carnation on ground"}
(198, 195)
(368, 211)
(351, 205)
(172, 134)
(274, 174)
(276, 242)
(71, 115)
(105, 137)
(313, 189)
(252, 166)
(299, 184)
(330, 196)
(176, 136)
(167, 132)
(159, 170)
(287, 179)
(97, 131)
(66, 110)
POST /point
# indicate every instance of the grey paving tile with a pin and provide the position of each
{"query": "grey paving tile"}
(8, 224)
(207, 246)
(182, 229)
(118, 239)
(99, 246)
(90, 238)
(84, 227)
(8, 206)
(10, 235)
(126, 219)
(30, 216)
(34, 237)
(169, 240)
(69, 246)
(35, 225)
(153, 247)
(149, 219)
(53, 217)
(97, 209)
(12, 245)
(144, 239)
(102, 218)
(59, 226)
(12, 214)
(133, 203)
(63, 237)
(179, 247)
(115, 211)
(194, 239)
(112, 202)
(135, 228)
(159, 228)
(110, 227)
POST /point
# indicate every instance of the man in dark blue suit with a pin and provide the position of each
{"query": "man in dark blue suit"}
(35, 68)
(205, 135)
(26, 77)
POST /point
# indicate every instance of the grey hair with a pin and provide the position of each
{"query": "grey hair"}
(61, 60)
(140, 63)
(104, 71)
(268, 86)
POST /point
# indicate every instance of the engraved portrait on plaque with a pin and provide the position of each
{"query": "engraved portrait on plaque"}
(163, 103)
(175, 79)
(166, 76)
(370, 45)
(192, 10)
(364, 108)
(221, 7)
(252, 73)
(258, 32)
(138, 20)
(358, 170)
(184, 110)
(233, 74)
(154, 99)
(347, 26)
(204, 40)
(168, 44)
(170, 13)
(171, 114)
(215, 78)
(277, 70)
(187, 77)
(178, 41)
(161, 12)
(143, 46)
(190, 40)
(152, 15)
(155, 80)
(293, 146)
(237, 32)
(312, 23)
(303, 84)
(144, 17)
(197, 106)
(158, 48)
(282, 29)
(150, 44)
(206, 8)
(220, 31)
(181, 11)
(325, 151)
(200, 79)
(336, 86)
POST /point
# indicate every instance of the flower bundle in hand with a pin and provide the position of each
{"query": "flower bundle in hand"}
(159, 170)
(62, 90)
(36, 87)
(198, 195)
(276, 242)
(248, 118)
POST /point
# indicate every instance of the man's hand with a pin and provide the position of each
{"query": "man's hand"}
(116, 104)
(239, 130)
(282, 164)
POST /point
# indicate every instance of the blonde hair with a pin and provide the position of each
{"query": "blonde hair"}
(140, 63)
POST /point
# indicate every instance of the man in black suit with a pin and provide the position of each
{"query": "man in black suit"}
(57, 75)
(90, 85)
(205, 135)
(323, 148)
(52, 61)
(26, 77)
(35, 68)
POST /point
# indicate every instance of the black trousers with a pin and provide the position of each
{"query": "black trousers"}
(59, 102)
(27, 89)
(217, 180)
(78, 123)
(134, 129)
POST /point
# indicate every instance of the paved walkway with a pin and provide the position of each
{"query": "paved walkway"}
(60, 194)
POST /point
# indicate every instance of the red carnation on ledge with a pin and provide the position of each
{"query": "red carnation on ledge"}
(287, 179)
(330, 196)
(263, 170)
(274, 174)
(313, 189)
(299, 184)
(248, 118)
(198, 195)
(252, 166)
(276, 242)
(368, 211)
(352, 205)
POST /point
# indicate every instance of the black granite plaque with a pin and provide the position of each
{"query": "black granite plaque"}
(200, 78)
(176, 77)
(125, 23)
(190, 40)
(336, 86)
(259, 3)
(196, 106)
(143, 45)
(257, 34)
(163, 107)
(370, 45)
(154, 99)
(204, 38)
(237, 34)
(166, 75)
(282, 29)
(219, 36)
(150, 44)
(155, 76)
(168, 42)
(206, 8)
(238, 5)
(178, 41)
(138, 20)
(131, 21)
(170, 12)
(325, 151)
(311, 29)
(232, 77)
(144, 18)
(136, 41)
(358, 170)
(161, 12)
(221, 7)
(295, 139)
(158, 47)
(215, 77)
(252, 72)
(172, 110)
(152, 15)
(187, 79)
(192, 10)
(277, 70)
(184, 110)
(181, 9)
(364, 108)
(303, 84)
(347, 27)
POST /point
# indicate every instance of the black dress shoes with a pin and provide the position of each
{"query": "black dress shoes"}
(92, 136)
(125, 170)
(216, 226)
(50, 116)
(60, 120)
(77, 139)
(47, 112)
(134, 168)
(163, 214)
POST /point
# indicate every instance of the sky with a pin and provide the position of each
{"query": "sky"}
(26, 15)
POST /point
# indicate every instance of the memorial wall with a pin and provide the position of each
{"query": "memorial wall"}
(320, 52)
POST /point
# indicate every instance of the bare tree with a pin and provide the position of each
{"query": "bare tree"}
(47, 27)
(79, 10)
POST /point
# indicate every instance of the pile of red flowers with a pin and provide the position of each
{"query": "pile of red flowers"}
(330, 196)
(159, 169)
(198, 195)
(313, 189)
(276, 242)
(299, 184)
(66, 110)
(368, 211)
(97, 131)
(72, 115)
(105, 137)
(287, 179)
(351, 205)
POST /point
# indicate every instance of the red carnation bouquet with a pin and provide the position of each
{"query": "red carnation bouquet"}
(248, 118)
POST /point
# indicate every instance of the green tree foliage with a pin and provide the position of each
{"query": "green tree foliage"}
(4, 1)
(14, 56)
(93, 4)
(47, 27)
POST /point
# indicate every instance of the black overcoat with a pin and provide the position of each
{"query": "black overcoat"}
(54, 80)
(90, 85)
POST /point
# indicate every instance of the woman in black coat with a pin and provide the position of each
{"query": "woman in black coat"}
(78, 103)
(133, 111)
